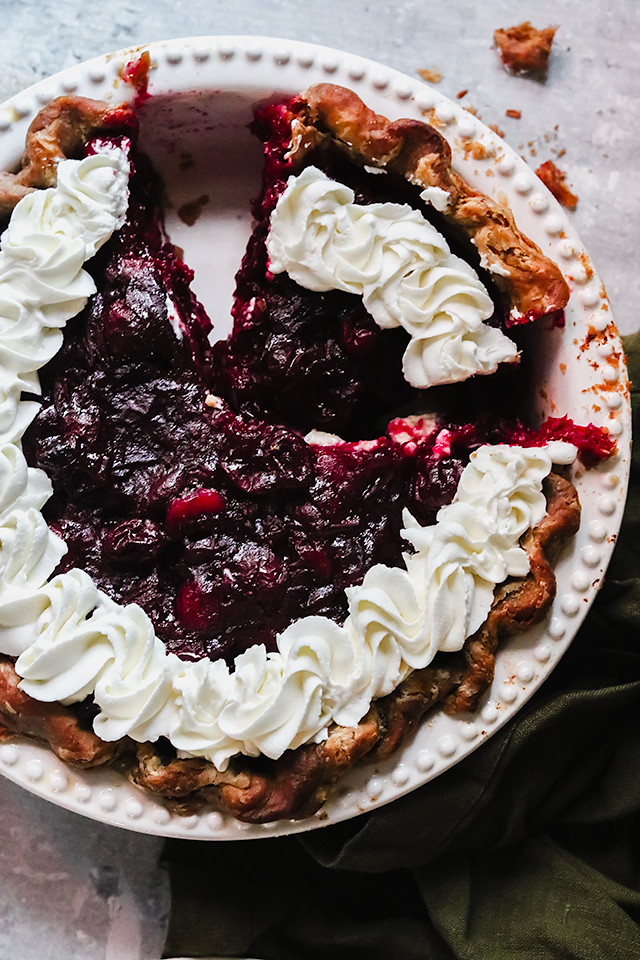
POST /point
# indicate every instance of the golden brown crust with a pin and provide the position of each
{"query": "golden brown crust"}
(60, 130)
(176, 779)
(258, 791)
(51, 722)
(299, 782)
(418, 152)
(523, 603)
(409, 147)
(402, 710)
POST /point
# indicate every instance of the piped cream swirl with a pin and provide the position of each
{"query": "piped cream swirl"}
(389, 254)
(51, 234)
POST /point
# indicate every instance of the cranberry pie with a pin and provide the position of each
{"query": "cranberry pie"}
(235, 569)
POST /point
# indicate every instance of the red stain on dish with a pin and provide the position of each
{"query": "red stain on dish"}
(594, 444)
(555, 319)
(136, 72)
(120, 118)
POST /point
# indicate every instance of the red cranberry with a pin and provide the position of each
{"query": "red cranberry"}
(193, 505)
(194, 608)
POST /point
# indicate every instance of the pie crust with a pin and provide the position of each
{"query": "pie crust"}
(419, 153)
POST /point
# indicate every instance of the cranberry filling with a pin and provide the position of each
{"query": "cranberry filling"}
(222, 523)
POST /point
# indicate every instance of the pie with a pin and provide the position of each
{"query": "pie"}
(235, 569)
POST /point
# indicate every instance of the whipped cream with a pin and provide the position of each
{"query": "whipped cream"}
(437, 197)
(51, 234)
(71, 640)
(390, 255)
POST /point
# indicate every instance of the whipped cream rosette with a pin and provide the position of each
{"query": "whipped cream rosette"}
(390, 255)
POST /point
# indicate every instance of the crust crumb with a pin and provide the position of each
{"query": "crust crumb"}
(554, 180)
(524, 49)
(431, 76)
(475, 149)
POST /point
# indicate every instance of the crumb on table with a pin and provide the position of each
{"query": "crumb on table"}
(431, 76)
(524, 49)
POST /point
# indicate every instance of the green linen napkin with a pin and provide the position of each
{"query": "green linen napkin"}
(529, 848)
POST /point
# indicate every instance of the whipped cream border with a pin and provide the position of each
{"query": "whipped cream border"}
(71, 639)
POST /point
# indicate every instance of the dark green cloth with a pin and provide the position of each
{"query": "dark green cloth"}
(529, 848)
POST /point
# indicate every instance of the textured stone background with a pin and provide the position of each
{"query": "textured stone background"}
(72, 889)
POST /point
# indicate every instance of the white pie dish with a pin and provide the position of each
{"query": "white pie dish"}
(203, 91)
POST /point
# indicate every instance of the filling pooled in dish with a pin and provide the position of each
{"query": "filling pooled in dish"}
(219, 570)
